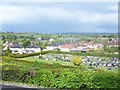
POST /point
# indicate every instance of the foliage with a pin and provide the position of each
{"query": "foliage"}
(42, 45)
(26, 42)
(7, 52)
(11, 37)
(45, 37)
(77, 60)
(56, 76)
(100, 54)
(28, 55)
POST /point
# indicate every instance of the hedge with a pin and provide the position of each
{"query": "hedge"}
(62, 79)
(100, 54)
(27, 55)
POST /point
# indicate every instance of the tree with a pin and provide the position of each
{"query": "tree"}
(8, 51)
(42, 45)
(26, 43)
(105, 47)
(31, 37)
(45, 37)
(4, 41)
(77, 60)
(110, 39)
(3, 37)
(11, 37)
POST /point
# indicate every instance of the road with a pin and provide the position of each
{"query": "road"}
(13, 87)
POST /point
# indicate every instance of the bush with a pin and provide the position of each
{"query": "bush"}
(105, 79)
(56, 76)
(77, 60)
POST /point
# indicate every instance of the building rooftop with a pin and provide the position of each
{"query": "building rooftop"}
(32, 46)
(17, 46)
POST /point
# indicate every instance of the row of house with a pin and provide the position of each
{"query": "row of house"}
(19, 49)
(67, 47)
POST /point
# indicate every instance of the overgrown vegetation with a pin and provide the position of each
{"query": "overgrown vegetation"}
(56, 75)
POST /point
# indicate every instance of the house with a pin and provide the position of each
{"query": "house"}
(51, 40)
(33, 48)
(67, 47)
(19, 49)
(39, 39)
(16, 49)
(27, 51)
(91, 45)
(7, 44)
(50, 48)
(113, 44)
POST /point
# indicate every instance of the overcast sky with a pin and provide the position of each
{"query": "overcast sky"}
(59, 17)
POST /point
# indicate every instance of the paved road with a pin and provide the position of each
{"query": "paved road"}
(12, 87)
(8, 86)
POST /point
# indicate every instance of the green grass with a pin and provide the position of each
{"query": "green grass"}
(47, 61)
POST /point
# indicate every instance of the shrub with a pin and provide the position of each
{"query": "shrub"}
(105, 79)
(55, 76)
(77, 60)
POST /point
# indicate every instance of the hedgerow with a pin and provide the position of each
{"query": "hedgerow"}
(100, 54)
(27, 55)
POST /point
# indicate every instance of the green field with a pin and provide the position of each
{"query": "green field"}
(47, 61)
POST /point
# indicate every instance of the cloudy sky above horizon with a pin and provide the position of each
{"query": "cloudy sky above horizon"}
(59, 17)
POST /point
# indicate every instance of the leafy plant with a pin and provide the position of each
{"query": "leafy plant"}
(77, 60)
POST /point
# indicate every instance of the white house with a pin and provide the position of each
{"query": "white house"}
(51, 40)
(33, 48)
(17, 48)
(64, 49)
(6, 45)
(51, 47)
(67, 47)
(39, 39)
(5, 48)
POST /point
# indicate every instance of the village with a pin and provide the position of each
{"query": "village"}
(75, 45)
(64, 45)
(59, 44)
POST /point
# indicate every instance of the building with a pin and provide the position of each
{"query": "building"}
(19, 49)
(33, 48)
(16, 49)
(67, 47)
(51, 40)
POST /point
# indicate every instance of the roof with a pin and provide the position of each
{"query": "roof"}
(17, 46)
(113, 43)
(32, 46)
(68, 46)
(57, 44)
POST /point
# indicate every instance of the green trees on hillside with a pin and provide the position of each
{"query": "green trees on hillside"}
(11, 37)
